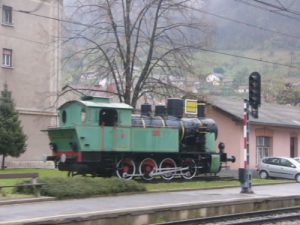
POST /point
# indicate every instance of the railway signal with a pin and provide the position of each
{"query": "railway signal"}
(254, 93)
(245, 175)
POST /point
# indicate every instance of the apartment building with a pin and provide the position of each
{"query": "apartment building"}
(31, 67)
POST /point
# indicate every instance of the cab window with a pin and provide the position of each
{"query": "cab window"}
(108, 117)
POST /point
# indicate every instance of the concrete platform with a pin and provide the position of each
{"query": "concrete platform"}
(151, 208)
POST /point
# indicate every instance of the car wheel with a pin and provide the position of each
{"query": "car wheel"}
(297, 178)
(264, 174)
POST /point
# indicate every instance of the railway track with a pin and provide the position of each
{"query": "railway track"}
(289, 215)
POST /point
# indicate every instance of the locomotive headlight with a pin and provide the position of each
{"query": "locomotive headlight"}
(53, 147)
(63, 158)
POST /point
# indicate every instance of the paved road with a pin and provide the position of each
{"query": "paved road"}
(31, 212)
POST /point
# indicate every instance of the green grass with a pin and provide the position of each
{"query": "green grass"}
(180, 185)
(207, 184)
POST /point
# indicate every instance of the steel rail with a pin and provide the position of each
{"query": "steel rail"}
(275, 219)
(257, 217)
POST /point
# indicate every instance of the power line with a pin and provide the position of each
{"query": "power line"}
(198, 10)
(52, 18)
(202, 49)
(246, 24)
(268, 10)
(280, 3)
(271, 5)
(282, 8)
(249, 58)
(25, 39)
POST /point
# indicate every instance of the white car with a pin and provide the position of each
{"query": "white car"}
(297, 159)
(279, 167)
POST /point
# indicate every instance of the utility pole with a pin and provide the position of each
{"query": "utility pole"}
(254, 101)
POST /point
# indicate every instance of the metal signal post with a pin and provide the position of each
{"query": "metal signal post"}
(245, 176)
(246, 134)
(254, 101)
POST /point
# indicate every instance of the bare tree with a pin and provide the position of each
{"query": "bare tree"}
(142, 46)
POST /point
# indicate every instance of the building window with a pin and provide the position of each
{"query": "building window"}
(7, 15)
(263, 147)
(7, 57)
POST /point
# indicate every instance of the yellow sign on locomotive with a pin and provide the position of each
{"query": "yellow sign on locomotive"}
(191, 106)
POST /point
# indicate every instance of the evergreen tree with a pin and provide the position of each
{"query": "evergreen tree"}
(12, 138)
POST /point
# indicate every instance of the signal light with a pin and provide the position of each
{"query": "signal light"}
(254, 112)
(254, 89)
(254, 93)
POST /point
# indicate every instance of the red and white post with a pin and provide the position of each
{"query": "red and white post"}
(245, 176)
(246, 134)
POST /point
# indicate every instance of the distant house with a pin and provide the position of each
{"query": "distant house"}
(275, 133)
(215, 78)
(243, 88)
(88, 76)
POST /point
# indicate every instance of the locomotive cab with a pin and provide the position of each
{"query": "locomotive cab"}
(86, 127)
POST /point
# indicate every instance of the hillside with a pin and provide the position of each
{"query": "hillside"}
(249, 36)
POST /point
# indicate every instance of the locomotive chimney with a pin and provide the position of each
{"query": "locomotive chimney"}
(146, 109)
(175, 107)
(160, 110)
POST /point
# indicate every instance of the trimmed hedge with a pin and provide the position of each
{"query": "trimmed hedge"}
(80, 187)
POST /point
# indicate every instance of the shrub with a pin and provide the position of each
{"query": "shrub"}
(79, 187)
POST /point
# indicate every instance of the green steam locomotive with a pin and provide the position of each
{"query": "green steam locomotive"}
(98, 137)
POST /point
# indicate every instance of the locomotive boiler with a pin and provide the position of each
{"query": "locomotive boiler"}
(96, 136)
